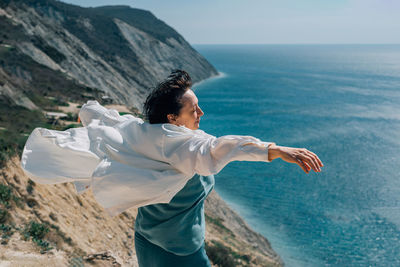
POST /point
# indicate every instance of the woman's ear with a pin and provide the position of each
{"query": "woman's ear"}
(171, 118)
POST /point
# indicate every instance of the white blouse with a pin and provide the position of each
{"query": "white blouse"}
(128, 162)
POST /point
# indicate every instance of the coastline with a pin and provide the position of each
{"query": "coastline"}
(220, 75)
(230, 229)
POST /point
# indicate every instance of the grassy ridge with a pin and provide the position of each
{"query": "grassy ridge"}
(16, 123)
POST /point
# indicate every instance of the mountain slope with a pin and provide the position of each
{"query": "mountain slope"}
(117, 50)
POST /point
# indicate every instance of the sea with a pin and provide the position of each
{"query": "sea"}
(343, 103)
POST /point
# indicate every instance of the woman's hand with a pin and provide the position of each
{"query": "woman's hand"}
(306, 159)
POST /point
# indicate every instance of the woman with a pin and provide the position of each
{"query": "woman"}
(164, 166)
(173, 234)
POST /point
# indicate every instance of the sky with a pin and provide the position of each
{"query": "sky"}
(274, 21)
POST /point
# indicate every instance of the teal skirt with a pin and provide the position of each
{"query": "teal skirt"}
(151, 255)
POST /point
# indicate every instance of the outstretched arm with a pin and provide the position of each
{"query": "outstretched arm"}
(206, 154)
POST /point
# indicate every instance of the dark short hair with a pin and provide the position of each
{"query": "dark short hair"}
(166, 97)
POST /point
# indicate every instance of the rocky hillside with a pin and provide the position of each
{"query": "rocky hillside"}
(49, 48)
(51, 225)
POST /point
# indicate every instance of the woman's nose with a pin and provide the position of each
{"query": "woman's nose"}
(200, 112)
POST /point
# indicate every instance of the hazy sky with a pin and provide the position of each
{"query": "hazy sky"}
(274, 21)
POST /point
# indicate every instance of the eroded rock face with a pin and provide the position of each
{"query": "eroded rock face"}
(120, 51)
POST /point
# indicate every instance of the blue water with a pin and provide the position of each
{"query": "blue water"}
(341, 102)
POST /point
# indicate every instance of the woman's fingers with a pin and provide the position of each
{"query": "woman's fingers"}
(312, 160)
(316, 163)
(301, 164)
(308, 159)
(306, 168)
(318, 160)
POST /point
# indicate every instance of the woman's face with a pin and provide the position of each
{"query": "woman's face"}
(190, 113)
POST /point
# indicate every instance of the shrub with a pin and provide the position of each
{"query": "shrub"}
(29, 187)
(5, 194)
(37, 231)
(3, 158)
(31, 202)
(71, 116)
(7, 233)
(45, 245)
(220, 254)
(4, 215)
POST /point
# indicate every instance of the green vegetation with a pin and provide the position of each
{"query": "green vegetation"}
(30, 186)
(124, 113)
(4, 215)
(7, 232)
(72, 117)
(37, 232)
(219, 224)
(10, 143)
(5, 194)
(46, 102)
(224, 256)
(219, 254)
(17, 122)
(31, 202)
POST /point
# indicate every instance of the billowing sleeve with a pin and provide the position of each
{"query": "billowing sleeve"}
(92, 110)
(51, 156)
(206, 154)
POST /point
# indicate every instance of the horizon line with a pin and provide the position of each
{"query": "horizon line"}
(294, 43)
